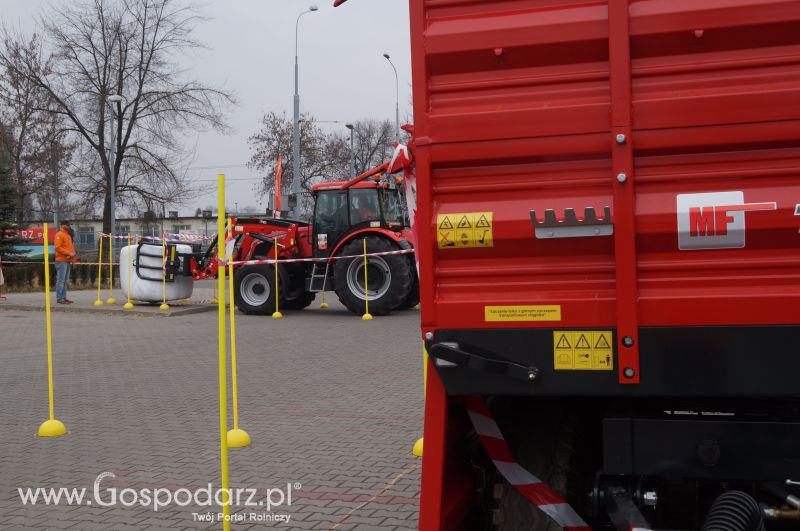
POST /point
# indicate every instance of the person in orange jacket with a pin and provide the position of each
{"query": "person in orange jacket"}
(65, 257)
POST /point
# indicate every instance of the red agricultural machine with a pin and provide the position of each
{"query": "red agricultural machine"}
(369, 207)
(608, 198)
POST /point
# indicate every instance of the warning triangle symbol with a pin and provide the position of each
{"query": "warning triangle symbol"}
(602, 343)
(483, 223)
(445, 224)
(583, 343)
(464, 223)
(563, 342)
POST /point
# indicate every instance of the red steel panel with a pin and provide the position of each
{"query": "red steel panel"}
(513, 112)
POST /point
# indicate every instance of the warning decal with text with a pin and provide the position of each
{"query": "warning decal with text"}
(470, 229)
(522, 313)
(583, 350)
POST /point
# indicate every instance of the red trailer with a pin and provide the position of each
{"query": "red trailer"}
(608, 197)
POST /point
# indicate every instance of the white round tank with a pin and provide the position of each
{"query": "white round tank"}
(145, 289)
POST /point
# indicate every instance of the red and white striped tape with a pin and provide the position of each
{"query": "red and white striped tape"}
(332, 258)
(169, 237)
(542, 496)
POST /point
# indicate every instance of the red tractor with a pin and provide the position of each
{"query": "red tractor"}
(371, 207)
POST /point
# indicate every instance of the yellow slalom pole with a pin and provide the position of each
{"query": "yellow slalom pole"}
(324, 304)
(221, 347)
(277, 314)
(111, 299)
(99, 301)
(129, 304)
(367, 316)
(164, 306)
(50, 427)
(417, 449)
(236, 438)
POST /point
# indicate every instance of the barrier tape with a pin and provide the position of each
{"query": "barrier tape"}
(245, 262)
(291, 260)
(169, 237)
(42, 263)
(532, 488)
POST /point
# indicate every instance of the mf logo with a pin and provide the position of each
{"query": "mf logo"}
(715, 220)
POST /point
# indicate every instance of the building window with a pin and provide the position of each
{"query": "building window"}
(86, 237)
(177, 229)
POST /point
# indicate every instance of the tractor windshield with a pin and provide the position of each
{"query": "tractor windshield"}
(364, 206)
(392, 207)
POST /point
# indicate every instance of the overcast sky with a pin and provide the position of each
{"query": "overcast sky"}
(343, 75)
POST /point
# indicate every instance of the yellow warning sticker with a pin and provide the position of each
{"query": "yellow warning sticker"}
(522, 313)
(583, 350)
(461, 230)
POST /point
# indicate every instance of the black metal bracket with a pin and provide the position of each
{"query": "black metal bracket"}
(452, 354)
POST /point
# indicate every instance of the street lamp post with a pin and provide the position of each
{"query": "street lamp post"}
(115, 98)
(296, 129)
(396, 99)
(352, 152)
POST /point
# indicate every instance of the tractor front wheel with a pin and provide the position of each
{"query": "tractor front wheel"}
(388, 281)
(254, 289)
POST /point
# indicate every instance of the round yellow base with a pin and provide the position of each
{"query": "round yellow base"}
(324, 305)
(98, 303)
(417, 450)
(238, 438)
(52, 428)
(111, 300)
(128, 306)
(164, 307)
(366, 317)
(277, 315)
(214, 301)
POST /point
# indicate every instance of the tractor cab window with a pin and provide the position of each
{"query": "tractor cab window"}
(331, 213)
(392, 206)
(364, 206)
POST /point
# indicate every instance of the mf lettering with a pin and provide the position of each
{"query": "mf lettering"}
(714, 220)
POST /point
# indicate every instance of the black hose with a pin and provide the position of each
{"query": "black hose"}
(734, 511)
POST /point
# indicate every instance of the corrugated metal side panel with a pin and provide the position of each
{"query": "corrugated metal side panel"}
(512, 107)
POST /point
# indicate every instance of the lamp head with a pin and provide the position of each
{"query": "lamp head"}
(349, 126)
(115, 98)
(386, 55)
(312, 8)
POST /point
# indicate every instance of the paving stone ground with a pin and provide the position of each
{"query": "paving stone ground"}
(333, 404)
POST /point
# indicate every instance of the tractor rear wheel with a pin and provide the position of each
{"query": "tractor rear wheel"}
(254, 289)
(413, 295)
(388, 277)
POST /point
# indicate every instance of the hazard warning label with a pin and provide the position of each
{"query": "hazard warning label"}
(461, 230)
(522, 313)
(583, 350)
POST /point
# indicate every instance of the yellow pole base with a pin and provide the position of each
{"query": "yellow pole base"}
(214, 301)
(324, 305)
(164, 307)
(98, 303)
(52, 428)
(128, 306)
(186, 300)
(111, 300)
(277, 315)
(417, 450)
(366, 317)
(238, 438)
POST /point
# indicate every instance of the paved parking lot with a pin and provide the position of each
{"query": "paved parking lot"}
(333, 405)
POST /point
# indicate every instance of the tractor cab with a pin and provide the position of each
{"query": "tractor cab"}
(342, 208)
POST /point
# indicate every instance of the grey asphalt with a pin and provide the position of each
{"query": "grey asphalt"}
(333, 405)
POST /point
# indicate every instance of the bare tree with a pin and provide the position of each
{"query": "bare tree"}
(324, 157)
(133, 48)
(35, 144)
